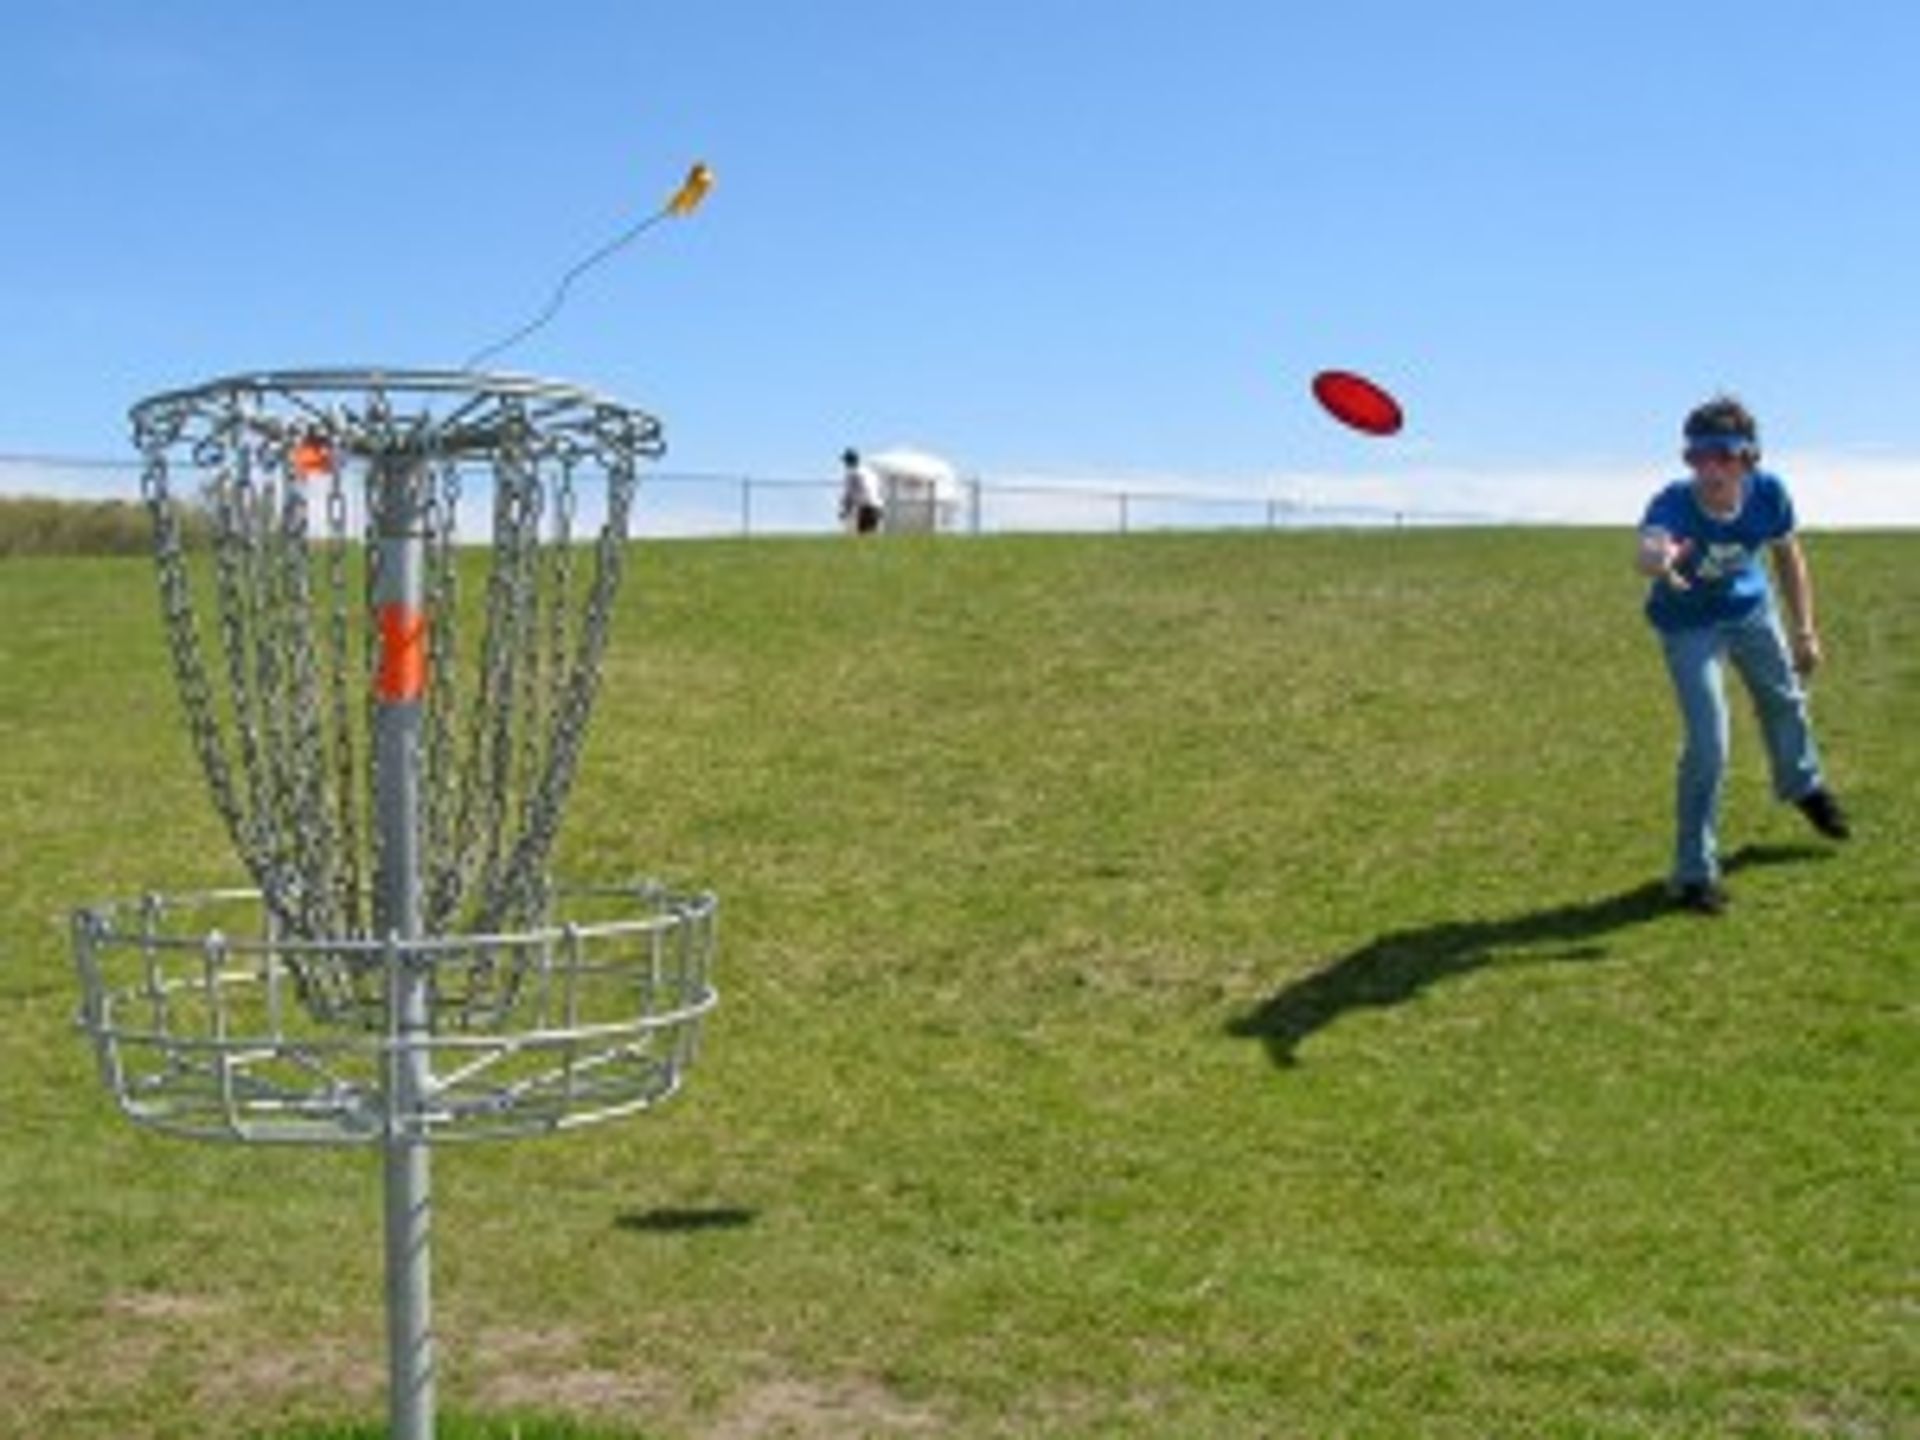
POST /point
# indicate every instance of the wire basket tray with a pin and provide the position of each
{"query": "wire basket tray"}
(208, 1023)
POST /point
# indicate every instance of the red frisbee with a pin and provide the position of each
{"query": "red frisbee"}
(1355, 400)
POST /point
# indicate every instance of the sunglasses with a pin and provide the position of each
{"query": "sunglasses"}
(1700, 457)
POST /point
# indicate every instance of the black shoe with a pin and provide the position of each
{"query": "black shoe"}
(1703, 897)
(1823, 812)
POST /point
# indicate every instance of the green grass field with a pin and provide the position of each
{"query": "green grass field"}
(1183, 985)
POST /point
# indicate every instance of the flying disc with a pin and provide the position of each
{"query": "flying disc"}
(1355, 400)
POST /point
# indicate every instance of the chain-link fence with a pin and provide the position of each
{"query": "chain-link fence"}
(685, 503)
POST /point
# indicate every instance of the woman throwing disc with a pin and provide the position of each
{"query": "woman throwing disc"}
(1710, 602)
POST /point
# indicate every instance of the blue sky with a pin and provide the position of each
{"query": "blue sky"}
(1049, 240)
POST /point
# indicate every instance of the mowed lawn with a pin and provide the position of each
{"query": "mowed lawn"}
(1173, 985)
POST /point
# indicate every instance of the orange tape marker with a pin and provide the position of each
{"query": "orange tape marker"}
(403, 654)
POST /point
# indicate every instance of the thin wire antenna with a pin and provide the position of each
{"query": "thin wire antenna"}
(684, 201)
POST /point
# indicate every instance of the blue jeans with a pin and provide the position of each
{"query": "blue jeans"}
(1695, 661)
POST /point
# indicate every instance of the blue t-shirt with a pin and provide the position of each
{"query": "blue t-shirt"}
(1726, 579)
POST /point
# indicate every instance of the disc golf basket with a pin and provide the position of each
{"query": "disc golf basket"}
(390, 721)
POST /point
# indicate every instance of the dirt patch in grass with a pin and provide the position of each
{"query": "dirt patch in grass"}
(164, 1307)
(805, 1408)
(540, 1371)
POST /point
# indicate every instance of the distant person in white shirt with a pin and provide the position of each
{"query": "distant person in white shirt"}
(860, 503)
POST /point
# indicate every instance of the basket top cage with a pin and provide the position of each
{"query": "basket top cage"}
(396, 412)
(314, 489)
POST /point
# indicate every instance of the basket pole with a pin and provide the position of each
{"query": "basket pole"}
(399, 686)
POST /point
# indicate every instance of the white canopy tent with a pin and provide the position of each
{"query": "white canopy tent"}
(923, 493)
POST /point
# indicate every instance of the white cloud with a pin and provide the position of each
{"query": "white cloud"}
(1841, 491)
(1832, 490)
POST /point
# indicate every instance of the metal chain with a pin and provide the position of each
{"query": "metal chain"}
(287, 749)
(370, 660)
(561, 553)
(521, 889)
(533, 684)
(183, 641)
(492, 762)
(231, 496)
(349, 891)
(323, 856)
(447, 874)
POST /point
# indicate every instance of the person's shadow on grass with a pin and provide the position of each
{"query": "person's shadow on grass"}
(1397, 966)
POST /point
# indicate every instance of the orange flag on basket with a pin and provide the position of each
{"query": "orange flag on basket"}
(311, 456)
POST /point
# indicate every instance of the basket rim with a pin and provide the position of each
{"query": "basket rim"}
(674, 908)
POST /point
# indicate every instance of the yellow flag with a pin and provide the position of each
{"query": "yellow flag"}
(691, 192)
